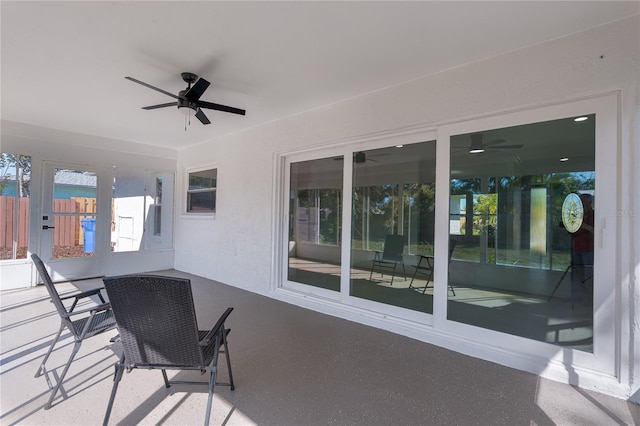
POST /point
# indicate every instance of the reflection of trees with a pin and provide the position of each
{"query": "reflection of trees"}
(376, 210)
(326, 203)
(21, 164)
(562, 184)
(376, 204)
(419, 203)
(330, 213)
(465, 186)
(485, 217)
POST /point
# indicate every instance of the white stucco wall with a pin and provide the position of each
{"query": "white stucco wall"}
(236, 247)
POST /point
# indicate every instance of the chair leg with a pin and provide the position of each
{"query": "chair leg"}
(212, 384)
(116, 380)
(373, 266)
(42, 369)
(76, 347)
(166, 379)
(226, 355)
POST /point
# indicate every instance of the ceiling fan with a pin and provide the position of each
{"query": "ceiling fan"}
(188, 100)
(361, 157)
(477, 145)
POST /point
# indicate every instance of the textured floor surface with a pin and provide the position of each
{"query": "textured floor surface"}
(291, 367)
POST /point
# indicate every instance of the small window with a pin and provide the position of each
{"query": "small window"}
(201, 194)
(157, 208)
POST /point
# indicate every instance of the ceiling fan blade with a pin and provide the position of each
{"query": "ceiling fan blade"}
(197, 90)
(203, 118)
(161, 105)
(505, 147)
(494, 142)
(218, 107)
(152, 87)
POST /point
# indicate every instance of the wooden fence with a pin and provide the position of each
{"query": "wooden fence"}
(7, 224)
(67, 231)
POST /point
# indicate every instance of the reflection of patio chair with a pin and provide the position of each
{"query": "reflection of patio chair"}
(99, 319)
(427, 267)
(158, 329)
(390, 256)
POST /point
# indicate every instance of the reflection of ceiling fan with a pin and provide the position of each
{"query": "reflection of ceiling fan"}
(361, 157)
(477, 145)
(188, 100)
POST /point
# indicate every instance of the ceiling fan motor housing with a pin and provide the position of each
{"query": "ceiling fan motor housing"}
(183, 103)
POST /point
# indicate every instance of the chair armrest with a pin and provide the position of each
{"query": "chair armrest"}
(429, 260)
(216, 328)
(98, 308)
(83, 294)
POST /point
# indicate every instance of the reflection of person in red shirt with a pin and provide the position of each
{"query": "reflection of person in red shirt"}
(582, 250)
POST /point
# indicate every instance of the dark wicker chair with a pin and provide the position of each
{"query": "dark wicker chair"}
(89, 322)
(158, 329)
(390, 257)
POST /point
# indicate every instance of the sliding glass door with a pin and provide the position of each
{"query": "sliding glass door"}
(502, 230)
(531, 200)
(522, 213)
(392, 225)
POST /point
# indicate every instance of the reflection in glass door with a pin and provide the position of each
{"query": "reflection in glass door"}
(522, 213)
(393, 217)
(315, 214)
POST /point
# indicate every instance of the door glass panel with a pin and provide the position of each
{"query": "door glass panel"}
(315, 213)
(15, 180)
(521, 218)
(393, 225)
(74, 213)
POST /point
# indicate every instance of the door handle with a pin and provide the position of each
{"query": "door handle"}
(47, 227)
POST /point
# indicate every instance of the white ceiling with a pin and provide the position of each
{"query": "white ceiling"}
(64, 63)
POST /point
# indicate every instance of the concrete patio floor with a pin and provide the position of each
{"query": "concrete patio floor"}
(291, 366)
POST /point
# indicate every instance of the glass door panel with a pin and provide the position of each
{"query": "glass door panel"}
(74, 210)
(393, 216)
(521, 211)
(315, 212)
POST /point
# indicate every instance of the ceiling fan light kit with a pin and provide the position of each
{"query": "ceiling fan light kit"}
(188, 100)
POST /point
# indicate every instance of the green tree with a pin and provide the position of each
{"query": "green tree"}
(17, 167)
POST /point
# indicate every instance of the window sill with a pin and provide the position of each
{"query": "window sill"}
(199, 216)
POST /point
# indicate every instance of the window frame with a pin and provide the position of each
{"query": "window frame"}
(185, 206)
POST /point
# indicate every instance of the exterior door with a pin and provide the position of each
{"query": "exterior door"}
(73, 222)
